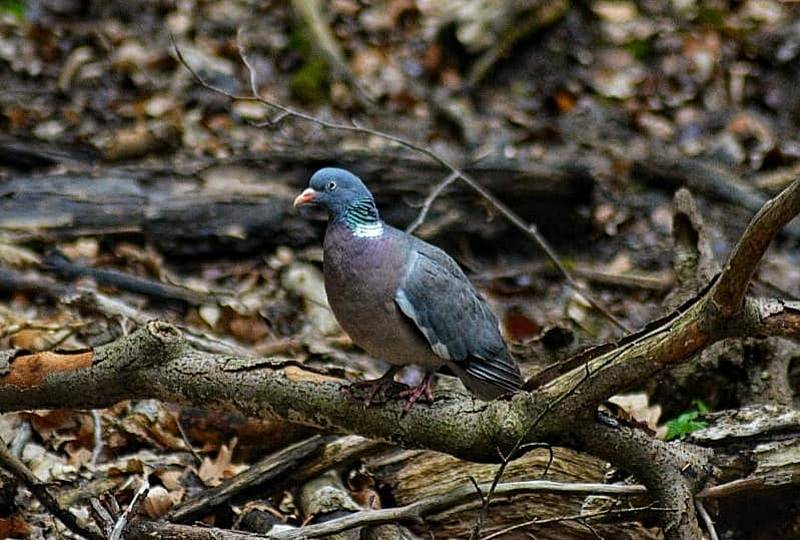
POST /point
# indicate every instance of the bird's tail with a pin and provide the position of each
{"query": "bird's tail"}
(489, 378)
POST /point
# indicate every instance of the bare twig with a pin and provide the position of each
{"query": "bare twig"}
(633, 512)
(12, 464)
(426, 206)
(98, 436)
(659, 281)
(119, 528)
(731, 488)
(415, 512)
(353, 127)
(701, 509)
(185, 438)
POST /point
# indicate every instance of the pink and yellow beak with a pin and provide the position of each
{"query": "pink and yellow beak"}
(306, 197)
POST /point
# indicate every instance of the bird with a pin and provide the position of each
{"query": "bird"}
(402, 299)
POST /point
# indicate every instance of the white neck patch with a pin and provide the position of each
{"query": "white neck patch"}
(368, 230)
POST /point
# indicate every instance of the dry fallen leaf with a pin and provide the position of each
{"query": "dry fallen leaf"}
(638, 407)
(171, 479)
(519, 326)
(213, 471)
(158, 502)
(14, 527)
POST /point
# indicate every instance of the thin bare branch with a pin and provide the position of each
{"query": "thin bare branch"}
(701, 509)
(138, 498)
(353, 127)
(432, 196)
(415, 512)
(634, 513)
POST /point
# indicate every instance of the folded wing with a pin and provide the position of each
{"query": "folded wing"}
(457, 323)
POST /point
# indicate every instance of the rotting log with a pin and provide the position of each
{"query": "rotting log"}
(243, 205)
(412, 475)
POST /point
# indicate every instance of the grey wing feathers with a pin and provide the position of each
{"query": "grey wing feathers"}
(457, 323)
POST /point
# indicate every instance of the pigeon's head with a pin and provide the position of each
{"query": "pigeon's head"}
(336, 190)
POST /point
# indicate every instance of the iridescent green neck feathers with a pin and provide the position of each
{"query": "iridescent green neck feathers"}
(362, 218)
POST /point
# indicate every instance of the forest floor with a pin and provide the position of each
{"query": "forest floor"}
(121, 175)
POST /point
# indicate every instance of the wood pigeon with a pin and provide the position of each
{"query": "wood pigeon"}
(402, 299)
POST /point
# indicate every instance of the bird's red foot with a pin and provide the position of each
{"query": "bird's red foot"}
(423, 389)
(376, 387)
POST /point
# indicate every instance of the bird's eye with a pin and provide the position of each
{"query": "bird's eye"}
(331, 186)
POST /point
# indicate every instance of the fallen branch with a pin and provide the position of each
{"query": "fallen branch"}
(92, 300)
(157, 362)
(672, 472)
(59, 264)
(265, 470)
(416, 512)
(632, 513)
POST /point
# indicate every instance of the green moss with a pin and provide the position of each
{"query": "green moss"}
(711, 17)
(639, 48)
(310, 82)
(299, 40)
(13, 7)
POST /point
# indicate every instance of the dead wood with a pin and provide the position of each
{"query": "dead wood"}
(157, 362)
(414, 475)
(244, 205)
(260, 473)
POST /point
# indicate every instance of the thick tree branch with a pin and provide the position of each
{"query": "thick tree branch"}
(673, 472)
(157, 362)
(772, 317)
(731, 288)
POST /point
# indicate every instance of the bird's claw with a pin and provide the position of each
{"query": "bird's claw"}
(422, 390)
(375, 387)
